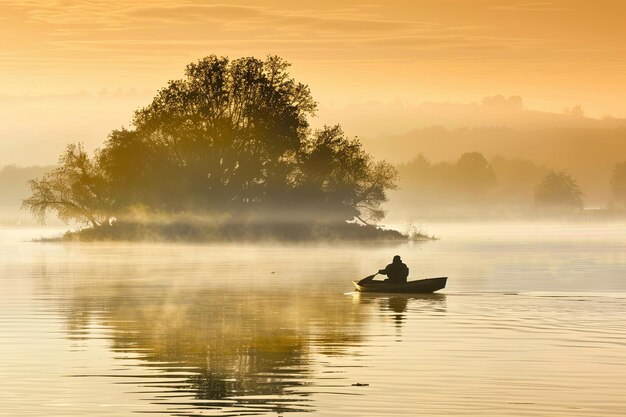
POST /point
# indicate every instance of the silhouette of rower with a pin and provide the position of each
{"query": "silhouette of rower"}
(396, 272)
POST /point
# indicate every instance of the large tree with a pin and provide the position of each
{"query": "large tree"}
(221, 138)
(231, 137)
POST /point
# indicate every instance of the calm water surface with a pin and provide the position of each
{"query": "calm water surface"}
(533, 323)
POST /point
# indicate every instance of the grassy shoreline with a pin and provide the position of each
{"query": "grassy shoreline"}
(234, 232)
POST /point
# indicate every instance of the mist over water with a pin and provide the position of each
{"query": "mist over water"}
(531, 323)
(209, 205)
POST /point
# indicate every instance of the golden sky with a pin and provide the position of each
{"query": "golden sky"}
(552, 53)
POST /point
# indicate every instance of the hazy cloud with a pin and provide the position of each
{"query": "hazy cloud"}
(531, 7)
(189, 13)
(71, 30)
(347, 51)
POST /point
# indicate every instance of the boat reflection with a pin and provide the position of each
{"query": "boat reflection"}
(398, 304)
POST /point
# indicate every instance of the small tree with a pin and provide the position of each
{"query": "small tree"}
(558, 190)
(76, 190)
(618, 184)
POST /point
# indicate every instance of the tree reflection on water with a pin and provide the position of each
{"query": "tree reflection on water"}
(220, 349)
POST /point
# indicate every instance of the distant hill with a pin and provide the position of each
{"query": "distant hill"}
(373, 119)
(587, 148)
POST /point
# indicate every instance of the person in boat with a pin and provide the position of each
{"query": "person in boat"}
(396, 271)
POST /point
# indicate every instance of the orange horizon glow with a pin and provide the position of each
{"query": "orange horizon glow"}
(546, 51)
(554, 54)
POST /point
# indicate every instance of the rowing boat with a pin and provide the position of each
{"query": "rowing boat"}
(419, 286)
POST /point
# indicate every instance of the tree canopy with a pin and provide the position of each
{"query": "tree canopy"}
(558, 190)
(232, 137)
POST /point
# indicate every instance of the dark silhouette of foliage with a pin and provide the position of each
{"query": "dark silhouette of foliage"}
(222, 138)
(76, 190)
(339, 178)
(232, 137)
(618, 184)
(558, 190)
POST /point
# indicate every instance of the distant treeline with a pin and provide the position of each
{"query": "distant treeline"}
(587, 154)
(472, 181)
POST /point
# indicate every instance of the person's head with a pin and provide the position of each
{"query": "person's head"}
(396, 259)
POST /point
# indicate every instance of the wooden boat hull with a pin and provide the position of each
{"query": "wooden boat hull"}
(422, 286)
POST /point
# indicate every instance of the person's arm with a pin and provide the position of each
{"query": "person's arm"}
(386, 270)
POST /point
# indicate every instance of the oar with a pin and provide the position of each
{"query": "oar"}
(367, 279)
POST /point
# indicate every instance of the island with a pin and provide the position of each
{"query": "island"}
(225, 153)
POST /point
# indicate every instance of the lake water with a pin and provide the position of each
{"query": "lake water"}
(532, 323)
